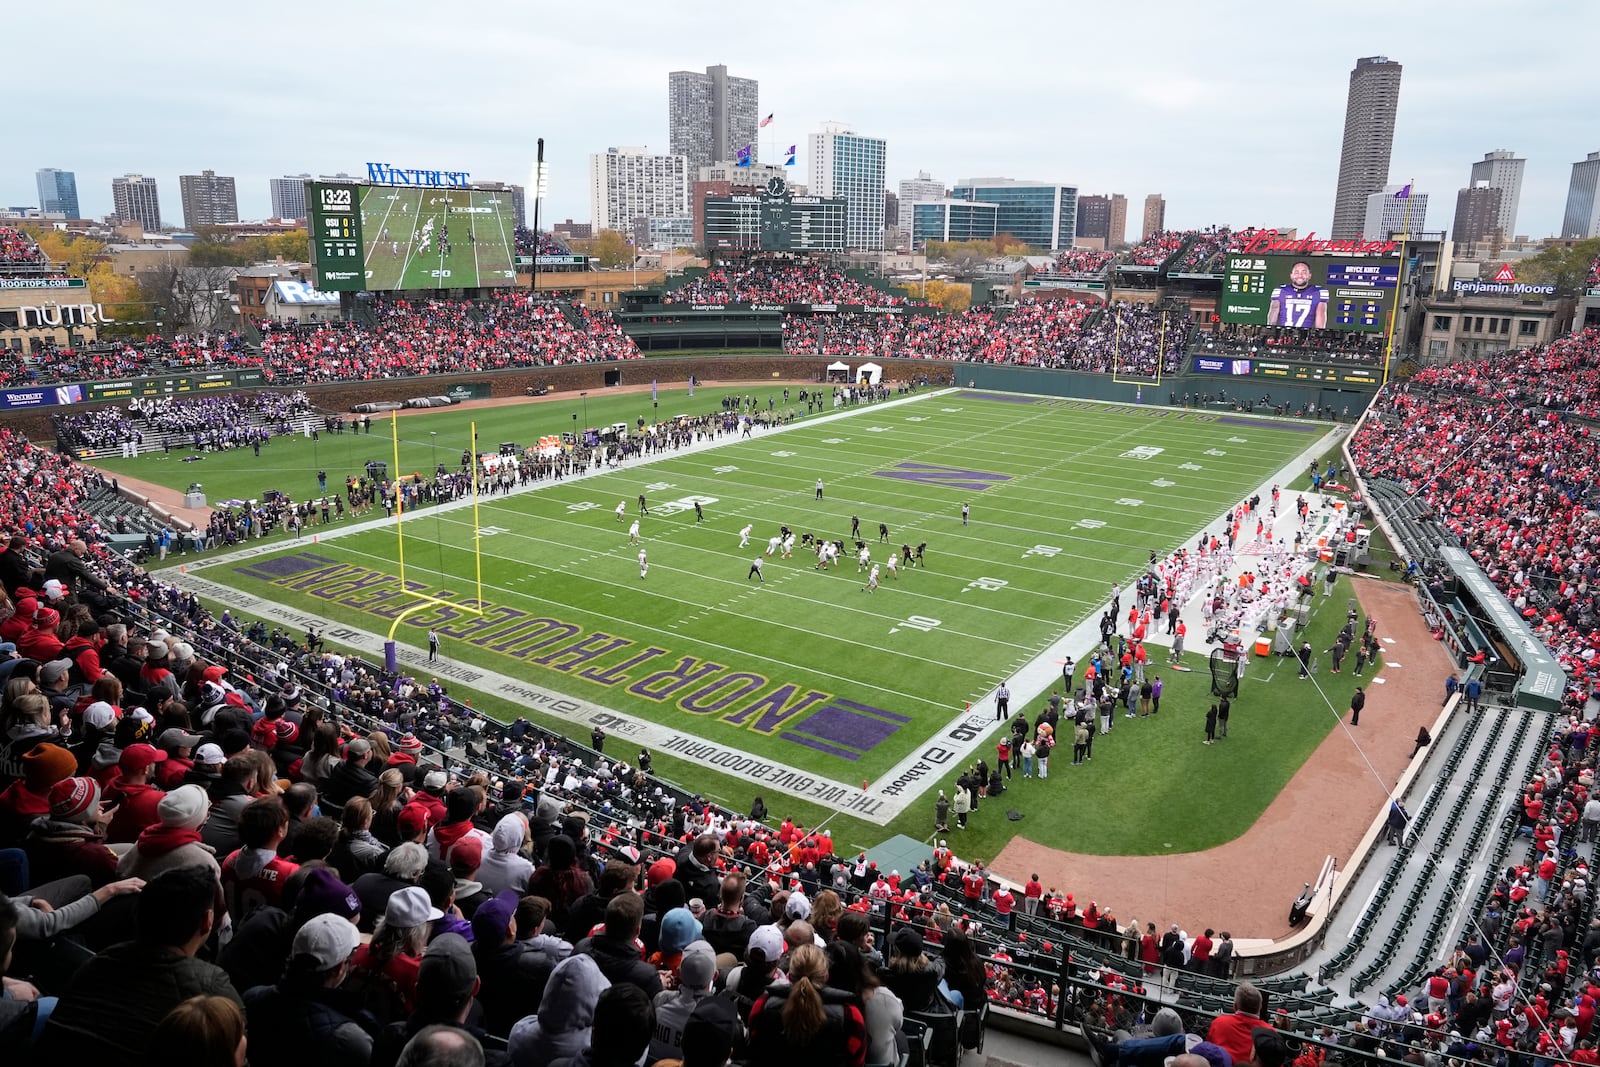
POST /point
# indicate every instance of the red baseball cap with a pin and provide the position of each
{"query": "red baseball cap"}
(136, 759)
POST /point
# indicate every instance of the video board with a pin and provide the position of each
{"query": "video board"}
(380, 238)
(1310, 292)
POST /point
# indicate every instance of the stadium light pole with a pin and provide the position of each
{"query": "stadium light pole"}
(538, 195)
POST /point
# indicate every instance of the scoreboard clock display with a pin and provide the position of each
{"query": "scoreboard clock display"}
(336, 246)
(1309, 292)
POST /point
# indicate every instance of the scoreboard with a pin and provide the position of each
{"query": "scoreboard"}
(1310, 292)
(775, 220)
(334, 211)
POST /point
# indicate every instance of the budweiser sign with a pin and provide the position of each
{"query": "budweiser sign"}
(1269, 241)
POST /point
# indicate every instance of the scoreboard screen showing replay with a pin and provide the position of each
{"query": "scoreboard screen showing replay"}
(386, 237)
(1309, 292)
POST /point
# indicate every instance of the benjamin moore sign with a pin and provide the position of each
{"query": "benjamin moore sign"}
(1473, 287)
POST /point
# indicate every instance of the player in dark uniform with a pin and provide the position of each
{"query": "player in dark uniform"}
(922, 546)
(1299, 304)
(905, 554)
(883, 531)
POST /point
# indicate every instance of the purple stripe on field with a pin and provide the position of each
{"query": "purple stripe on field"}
(968, 395)
(1297, 427)
(285, 566)
(870, 710)
(820, 747)
(841, 726)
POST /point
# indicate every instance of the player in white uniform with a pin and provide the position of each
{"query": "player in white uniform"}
(822, 554)
(863, 558)
(788, 546)
(772, 544)
(633, 533)
(744, 534)
(872, 580)
(832, 550)
(644, 564)
(622, 507)
(894, 566)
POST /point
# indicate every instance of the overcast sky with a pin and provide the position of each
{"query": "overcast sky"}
(1234, 111)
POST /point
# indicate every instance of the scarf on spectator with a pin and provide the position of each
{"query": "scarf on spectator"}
(159, 840)
(447, 834)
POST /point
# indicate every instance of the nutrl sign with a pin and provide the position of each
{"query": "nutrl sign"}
(385, 174)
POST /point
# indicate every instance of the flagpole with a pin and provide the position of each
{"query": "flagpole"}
(1394, 312)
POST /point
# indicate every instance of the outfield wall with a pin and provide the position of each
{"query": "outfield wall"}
(1172, 390)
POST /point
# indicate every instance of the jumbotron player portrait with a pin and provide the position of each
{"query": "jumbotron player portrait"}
(1300, 303)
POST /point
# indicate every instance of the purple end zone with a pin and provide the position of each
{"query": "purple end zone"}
(284, 566)
(1297, 427)
(968, 395)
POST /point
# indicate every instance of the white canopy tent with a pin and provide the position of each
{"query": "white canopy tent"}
(870, 373)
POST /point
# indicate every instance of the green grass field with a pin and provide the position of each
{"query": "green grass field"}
(806, 672)
(404, 235)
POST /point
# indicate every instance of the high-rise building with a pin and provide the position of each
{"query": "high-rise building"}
(1387, 213)
(135, 198)
(1369, 115)
(626, 184)
(711, 116)
(952, 220)
(1104, 217)
(1582, 217)
(1155, 215)
(846, 164)
(58, 191)
(208, 199)
(518, 195)
(1500, 169)
(1478, 215)
(289, 196)
(1042, 215)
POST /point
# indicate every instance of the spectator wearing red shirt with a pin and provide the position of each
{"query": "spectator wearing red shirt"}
(133, 793)
(972, 884)
(1005, 903)
(1031, 894)
(1233, 1031)
(1200, 952)
(253, 875)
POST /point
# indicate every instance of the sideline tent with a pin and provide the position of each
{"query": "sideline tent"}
(870, 373)
(838, 371)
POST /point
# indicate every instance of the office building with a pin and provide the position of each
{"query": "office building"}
(1501, 169)
(208, 200)
(1369, 114)
(58, 191)
(1155, 215)
(1582, 217)
(1387, 214)
(289, 196)
(847, 165)
(1478, 216)
(573, 231)
(952, 220)
(519, 203)
(1104, 217)
(711, 116)
(135, 198)
(626, 184)
(1041, 215)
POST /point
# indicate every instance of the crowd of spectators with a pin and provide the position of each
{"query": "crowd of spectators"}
(18, 249)
(1289, 343)
(1087, 261)
(214, 422)
(780, 281)
(1159, 247)
(544, 243)
(121, 359)
(1501, 453)
(1058, 334)
(1593, 279)
(1207, 245)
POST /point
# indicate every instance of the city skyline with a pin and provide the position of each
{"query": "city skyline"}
(1252, 140)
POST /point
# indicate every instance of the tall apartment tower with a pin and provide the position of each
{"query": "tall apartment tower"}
(1155, 215)
(711, 116)
(1501, 169)
(848, 165)
(58, 191)
(1478, 215)
(1104, 217)
(628, 184)
(1368, 139)
(135, 198)
(1582, 216)
(209, 199)
(289, 196)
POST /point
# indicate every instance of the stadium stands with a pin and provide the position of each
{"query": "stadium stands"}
(1159, 247)
(802, 281)
(17, 249)
(544, 244)
(236, 421)
(1206, 246)
(1082, 261)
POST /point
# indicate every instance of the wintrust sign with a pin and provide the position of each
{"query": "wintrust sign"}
(385, 174)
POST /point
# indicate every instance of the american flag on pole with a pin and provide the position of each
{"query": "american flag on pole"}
(766, 122)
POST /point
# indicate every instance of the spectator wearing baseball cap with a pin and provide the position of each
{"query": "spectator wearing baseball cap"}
(697, 972)
(514, 972)
(177, 743)
(304, 1018)
(70, 839)
(206, 771)
(43, 765)
(115, 1001)
(174, 841)
(446, 983)
(83, 649)
(134, 794)
(395, 951)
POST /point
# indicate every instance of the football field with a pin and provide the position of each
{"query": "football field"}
(796, 681)
(436, 238)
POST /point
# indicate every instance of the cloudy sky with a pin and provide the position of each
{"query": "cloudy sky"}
(1233, 110)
